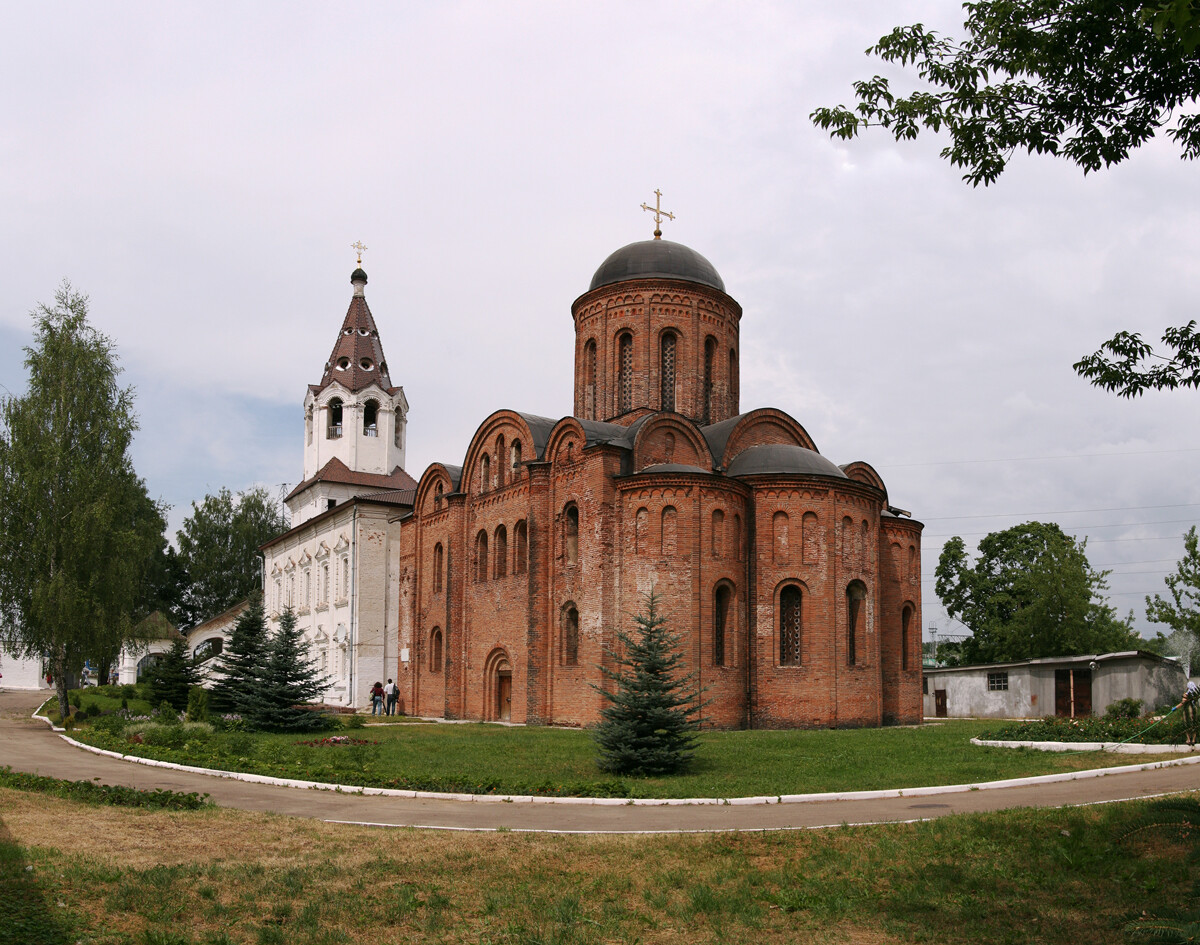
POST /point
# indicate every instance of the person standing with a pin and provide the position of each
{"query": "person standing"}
(392, 692)
(377, 698)
(1191, 696)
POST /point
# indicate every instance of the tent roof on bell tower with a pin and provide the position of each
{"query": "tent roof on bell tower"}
(357, 360)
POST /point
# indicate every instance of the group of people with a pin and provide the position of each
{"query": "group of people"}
(384, 698)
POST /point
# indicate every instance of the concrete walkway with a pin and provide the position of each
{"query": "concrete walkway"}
(28, 745)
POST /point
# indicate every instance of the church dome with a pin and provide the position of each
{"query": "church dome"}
(656, 259)
(780, 459)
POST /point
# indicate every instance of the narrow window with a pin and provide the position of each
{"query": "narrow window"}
(570, 635)
(485, 473)
(514, 460)
(308, 426)
(345, 578)
(371, 419)
(670, 535)
(864, 548)
(710, 354)
(733, 382)
(398, 435)
(437, 496)
(779, 530)
(641, 526)
(500, 478)
(571, 534)
(500, 552)
(481, 557)
(855, 598)
(334, 429)
(521, 547)
(718, 533)
(589, 380)
(721, 601)
(324, 583)
(667, 372)
(790, 616)
(737, 536)
(437, 568)
(435, 651)
(905, 622)
(809, 538)
(847, 542)
(625, 372)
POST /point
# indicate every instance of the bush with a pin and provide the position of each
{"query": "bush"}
(1124, 709)
(166, 714)
(197, 705)
(73, 699)
(92, 710)
(113, 723)
(354, 721)
(129, 691)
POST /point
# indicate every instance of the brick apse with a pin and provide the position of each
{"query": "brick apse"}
(794, 584)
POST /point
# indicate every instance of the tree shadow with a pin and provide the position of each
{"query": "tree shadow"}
(26, 912)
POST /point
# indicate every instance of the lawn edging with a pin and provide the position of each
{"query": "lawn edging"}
(1115, 747)
(638, 801)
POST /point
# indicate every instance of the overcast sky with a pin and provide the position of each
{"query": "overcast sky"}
(200, 170)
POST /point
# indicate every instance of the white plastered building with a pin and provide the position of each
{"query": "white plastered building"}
(338, 562)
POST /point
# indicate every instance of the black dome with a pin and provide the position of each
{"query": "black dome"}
(656, 259)
(358, 276)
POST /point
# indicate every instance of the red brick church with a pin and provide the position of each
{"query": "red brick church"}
(793, 582)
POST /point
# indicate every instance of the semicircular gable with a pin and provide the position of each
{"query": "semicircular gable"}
(567, 437)
(670, 438)
(529, 429)
(865, 472)
(760, 427)
(448, 476)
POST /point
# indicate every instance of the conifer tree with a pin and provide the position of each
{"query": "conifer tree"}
(240, 667)
(649, 723)
(173, 676)
(288, 680)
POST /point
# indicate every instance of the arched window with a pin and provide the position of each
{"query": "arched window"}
(710, 356)
(345, 578)
(666, 371)
(733, 382)
(641, 526)
(437, 496)
(570, 635)
(905, 623)
(718, 533)
(571, 533)
(437, 568)
(520, 547)
(721, 612)
(334, 429)
(790, 623)
(308, 426)
(779, 531)
(500, 477)
(435, 651)
(589, 379)
(848, 542)
(481, 556)
(809, 538)
(670, 536)
(625, 372)
(485, 473)
(856, 597)
(514, 460)
(500, 551)
(371, 418)
(398, 434)
(325, 584)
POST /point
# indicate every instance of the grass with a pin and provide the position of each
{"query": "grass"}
(478, 758)
(220, 877)
(90, 792)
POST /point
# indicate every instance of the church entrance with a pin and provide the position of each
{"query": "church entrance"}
(497, 687)
(504, 696)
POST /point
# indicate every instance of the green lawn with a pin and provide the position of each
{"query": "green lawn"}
(479, 758)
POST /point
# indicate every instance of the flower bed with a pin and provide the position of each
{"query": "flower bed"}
(336, 740)
(1169, 730)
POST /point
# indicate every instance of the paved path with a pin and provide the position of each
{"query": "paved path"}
(27, 745)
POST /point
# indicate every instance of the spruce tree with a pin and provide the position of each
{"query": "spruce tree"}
(240, 667)
(649, 723)
(173, 676)
(288, 680)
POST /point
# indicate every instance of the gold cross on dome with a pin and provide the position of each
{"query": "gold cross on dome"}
(359, 248)
(659, 213)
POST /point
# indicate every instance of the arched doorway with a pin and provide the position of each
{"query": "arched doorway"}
(498, 687)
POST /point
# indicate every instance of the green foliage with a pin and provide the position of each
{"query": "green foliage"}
(1031, 593)
(1085, 80)
(288, 680)
(74, 699)
(1181, 612)
(174, 675)
(91, 792)
(1170, 731)
(77, 529)
(197, 704)
(1177, 818)
(353, 721)
(239, 667)
(649, 724)
(218, 549)
(1124, 709)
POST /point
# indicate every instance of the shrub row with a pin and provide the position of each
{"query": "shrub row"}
(92, 793)
(1169, 731)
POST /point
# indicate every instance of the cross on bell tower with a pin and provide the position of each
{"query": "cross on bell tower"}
(659, 213)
